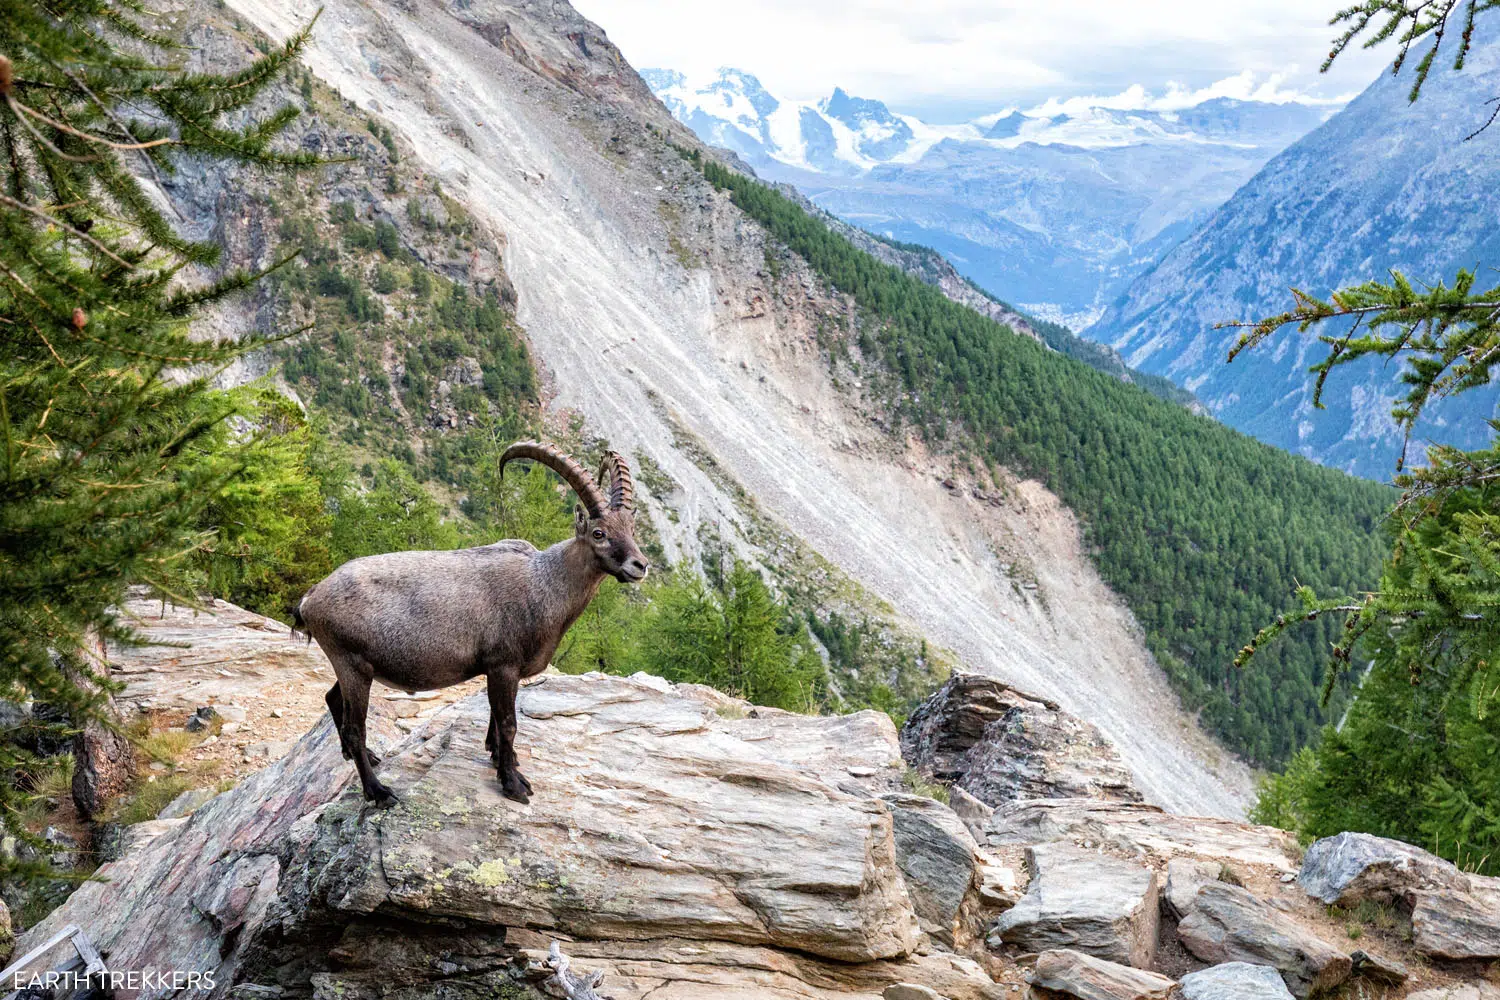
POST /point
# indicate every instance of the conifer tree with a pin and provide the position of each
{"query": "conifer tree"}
(102, 390)
(1418, 755)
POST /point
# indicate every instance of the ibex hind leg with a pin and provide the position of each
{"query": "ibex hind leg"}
(354, 690)
(335, 700)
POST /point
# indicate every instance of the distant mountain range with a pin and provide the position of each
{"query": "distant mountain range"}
(1057, 212)
(1383, 184)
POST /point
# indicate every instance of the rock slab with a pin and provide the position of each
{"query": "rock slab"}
(940, 862)
(1458, 926)
(1140, 828)
(1185, 877)
(1084, 901)
(1067, 973)
(1228, 924)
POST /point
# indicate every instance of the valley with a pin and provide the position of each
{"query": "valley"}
(564, 154)
(907, 645)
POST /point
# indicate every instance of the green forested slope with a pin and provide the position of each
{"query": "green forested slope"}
(1203, 531)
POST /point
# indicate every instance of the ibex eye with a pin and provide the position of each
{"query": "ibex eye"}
(598, 533)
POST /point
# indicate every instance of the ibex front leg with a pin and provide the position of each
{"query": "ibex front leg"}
(503, 685)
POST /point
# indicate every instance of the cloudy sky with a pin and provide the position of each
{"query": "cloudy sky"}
(951, 59)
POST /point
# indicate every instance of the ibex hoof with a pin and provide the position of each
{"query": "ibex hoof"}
(515, 787)
(381, 796)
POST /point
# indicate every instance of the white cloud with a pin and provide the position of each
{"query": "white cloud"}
(995, 53)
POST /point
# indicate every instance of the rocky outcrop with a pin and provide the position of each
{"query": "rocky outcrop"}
(1084, 901)
(1234, 981)
(1066, 973)
(940, 862)
(669, 844)
(1228, 924)
(1001, 745)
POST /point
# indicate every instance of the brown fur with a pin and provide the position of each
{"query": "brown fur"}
(425, 620)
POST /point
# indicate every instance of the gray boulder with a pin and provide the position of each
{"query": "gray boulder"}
(1235, 981)
(1351, 867)
(1455, 916)
(1066, 973)
(1470, 991)
(1084, 901)
(1228, 924)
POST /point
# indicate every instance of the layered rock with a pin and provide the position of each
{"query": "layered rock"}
(669, 843)
(1228, 924)
(1456, 926)
(941, 864)
(1184, 878)
(1085, 901)
(1140, 828)
(1001, 745)
(1471, 991)
(1066, 973)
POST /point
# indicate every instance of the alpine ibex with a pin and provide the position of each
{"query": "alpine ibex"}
(425, 620)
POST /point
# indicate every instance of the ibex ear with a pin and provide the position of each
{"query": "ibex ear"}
(580, 519)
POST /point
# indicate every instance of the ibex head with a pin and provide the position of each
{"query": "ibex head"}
(605, 522)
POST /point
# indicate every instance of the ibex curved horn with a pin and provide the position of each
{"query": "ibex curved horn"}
(614, 476)
(572, 473)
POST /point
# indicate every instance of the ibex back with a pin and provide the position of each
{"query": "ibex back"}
(425, 620)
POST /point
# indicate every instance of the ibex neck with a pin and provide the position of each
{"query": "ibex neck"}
(573, 577)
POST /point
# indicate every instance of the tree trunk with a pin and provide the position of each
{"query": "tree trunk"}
(102, 756)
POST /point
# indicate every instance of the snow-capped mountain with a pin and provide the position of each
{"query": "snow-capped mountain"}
(1056, 210)
(1383, 184)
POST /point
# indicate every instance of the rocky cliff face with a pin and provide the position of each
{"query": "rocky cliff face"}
(683, 844)
(1384, 184)
(663, 316)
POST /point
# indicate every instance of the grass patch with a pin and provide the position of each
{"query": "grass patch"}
(50, 783)
(919, 785)
(147, 798)
(168, 745)
(1229, 876)
(1370, 915)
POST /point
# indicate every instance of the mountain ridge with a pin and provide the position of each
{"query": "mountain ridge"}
(1054, 212)
(1385, 184)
